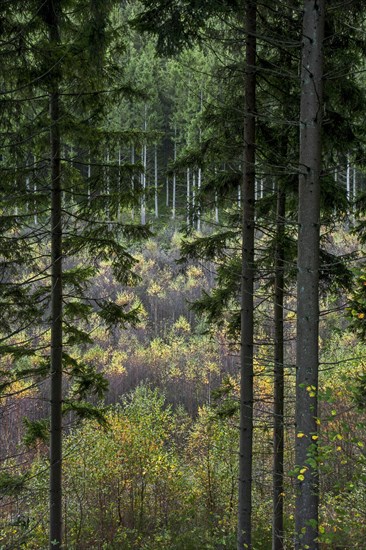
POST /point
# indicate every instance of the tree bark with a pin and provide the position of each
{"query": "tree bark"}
(56, 277)
(156, 181)
(278, 410)
(144, 173)
(199, 185)
(188, 206)
(174, 190)
(306, 511)
(247, 286)
(133, 180)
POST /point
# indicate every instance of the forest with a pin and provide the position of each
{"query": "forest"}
(182, 275)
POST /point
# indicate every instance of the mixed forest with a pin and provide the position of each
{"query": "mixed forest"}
(182, 275)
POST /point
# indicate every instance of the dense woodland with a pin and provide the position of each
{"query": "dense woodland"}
(182, 275)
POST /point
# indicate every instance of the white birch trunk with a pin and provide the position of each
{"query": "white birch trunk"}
(143, 186)
(174, 175)
(143, 175)
(89, 173)
(156, 181)
(133, 180)
(167, 191)
(348, 181)
(119, 184)
(188, 195)
(216, 209)
(107, 189)
(199, 184)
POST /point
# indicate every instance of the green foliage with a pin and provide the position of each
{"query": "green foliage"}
(36, 431)
(357, 305)
(11, 484)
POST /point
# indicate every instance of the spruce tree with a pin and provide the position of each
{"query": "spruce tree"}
(60, 88)
(307, 361)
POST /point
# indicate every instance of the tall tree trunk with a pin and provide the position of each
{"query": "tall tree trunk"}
(348, 176)
(278, 421)
(156, 181)
(119, 183)
(247, 286)
(174, 190)
(89, 174)
(35, 205)
(143, 185)
(194, 213)
(107, 187)
(199, 185)
(144, 173)
(306, 511)
(188, 178)
(133, 179)
(354, 184)
(56, 275)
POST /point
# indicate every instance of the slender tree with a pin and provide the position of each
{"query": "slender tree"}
(51, 14)
(278, 409)
(247, 285)
(307, 361)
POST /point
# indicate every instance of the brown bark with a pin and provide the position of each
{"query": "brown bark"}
(56, 277)
(278, 410)
(247, 287)
(306, 513)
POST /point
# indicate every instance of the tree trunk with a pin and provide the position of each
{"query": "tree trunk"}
(119, 183)
(89, 174)
(156, 181)
(188, 178)
(107, 187)
(278, 428)
(354, 185)
(143, 185)
(194, 211)
(56, 275)
(306, 511)
(133, 180)
(199, 185)
(144, 175)
(174, 191)
(216, 209)
(247, 287)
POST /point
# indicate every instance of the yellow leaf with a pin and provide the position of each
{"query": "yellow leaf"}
(314, 437)
(300, 434)
(301, 477)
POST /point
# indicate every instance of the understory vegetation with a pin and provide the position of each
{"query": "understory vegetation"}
(160, 470)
